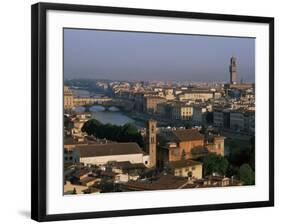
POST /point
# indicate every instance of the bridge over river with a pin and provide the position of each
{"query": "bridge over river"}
(106, 102)
(109, 114)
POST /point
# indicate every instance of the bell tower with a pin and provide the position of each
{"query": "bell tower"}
(151, 141)
(233, 70)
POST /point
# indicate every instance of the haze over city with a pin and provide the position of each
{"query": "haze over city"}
(123, 132)
(130, 56)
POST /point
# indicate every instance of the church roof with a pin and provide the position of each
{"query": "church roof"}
(109, 149)
(188, 135)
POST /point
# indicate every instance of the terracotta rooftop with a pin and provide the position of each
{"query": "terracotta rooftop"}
(184, 163)
(164, 182)
(109, 149)
(126, 165)
(187, 135)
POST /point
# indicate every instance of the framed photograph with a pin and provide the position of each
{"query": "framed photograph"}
(139, 111)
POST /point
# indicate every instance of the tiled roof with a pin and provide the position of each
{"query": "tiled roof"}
(126, 165)
(184, 163)
(188, 135)
(94, 150)
(163, 182)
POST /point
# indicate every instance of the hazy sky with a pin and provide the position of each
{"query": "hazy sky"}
(150, 56)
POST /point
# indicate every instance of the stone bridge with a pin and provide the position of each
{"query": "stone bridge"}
(83, 101)
(105, 102)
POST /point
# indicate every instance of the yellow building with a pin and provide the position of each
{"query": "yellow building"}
(182, 112)
(196, 95)
(68, 98)
(187, 168)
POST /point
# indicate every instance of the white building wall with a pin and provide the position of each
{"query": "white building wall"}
(121, 178)
(196, 96)
(100, 160)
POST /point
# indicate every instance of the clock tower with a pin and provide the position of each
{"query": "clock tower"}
(233, 70)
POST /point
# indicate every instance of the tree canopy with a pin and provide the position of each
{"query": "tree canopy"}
(242, 154)
(246, 174)
(239, 155)
(204, 129)
(215, 163)
(124, 133)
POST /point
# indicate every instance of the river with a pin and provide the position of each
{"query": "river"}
(113, 115)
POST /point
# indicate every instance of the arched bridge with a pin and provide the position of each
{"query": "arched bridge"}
(107, 103)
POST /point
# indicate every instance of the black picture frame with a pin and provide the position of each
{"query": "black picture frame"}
(38, 108)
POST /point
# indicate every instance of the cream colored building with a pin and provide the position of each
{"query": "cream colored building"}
(121, 178)
(187, 168)
(169, 94)
(182, 112)
(100, 154)
(78, 123)
(68, 98)
(204, 96)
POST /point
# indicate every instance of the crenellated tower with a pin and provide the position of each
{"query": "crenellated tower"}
(233, 70)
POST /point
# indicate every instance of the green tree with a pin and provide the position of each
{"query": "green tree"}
(238, 156)
(246, 174)
(129, 133)
(128, 130)
(204, 129)
(115, 132)
(125, 133)
(92, 127)
(215, 163)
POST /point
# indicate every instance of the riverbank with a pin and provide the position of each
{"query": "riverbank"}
(161, 122)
